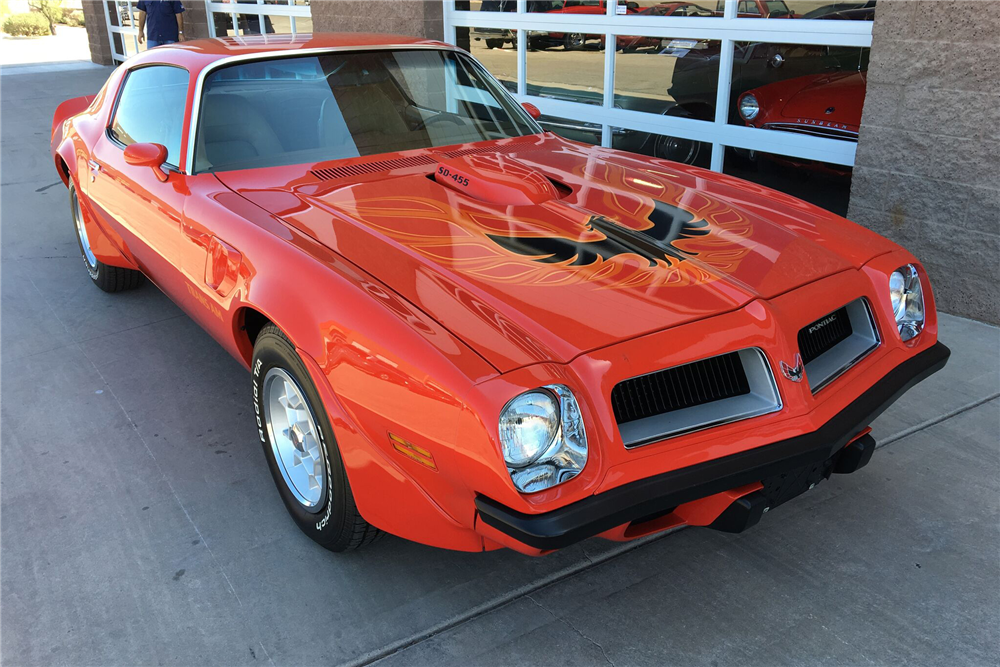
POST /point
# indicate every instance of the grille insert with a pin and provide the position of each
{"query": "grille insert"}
(679, 387)
(819, 336)
(831, 345)
(689, 397)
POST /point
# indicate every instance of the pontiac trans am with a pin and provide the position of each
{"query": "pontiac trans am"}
(474, 334)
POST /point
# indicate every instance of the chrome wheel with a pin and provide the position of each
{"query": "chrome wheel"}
(81, 232)
(676, 149)
(295, 439)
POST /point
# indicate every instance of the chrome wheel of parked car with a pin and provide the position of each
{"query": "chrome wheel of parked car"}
(291, 427)
(574, 41)
(676, 149)
(81, 232)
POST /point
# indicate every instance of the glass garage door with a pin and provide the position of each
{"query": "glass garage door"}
(237, 18)
(766, 90)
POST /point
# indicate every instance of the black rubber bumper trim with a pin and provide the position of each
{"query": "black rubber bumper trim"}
(588, 517)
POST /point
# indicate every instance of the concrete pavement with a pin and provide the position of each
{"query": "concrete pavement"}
(139, 524)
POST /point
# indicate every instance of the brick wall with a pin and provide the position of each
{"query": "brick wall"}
(97, 32)
(927, 173)
(195, 19)
(195, 26)
(421, 18)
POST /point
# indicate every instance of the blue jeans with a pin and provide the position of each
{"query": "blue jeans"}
(150, 43)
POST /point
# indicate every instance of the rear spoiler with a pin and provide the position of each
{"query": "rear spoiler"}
(64, 112)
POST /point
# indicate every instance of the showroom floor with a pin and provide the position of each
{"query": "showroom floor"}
(140, 524)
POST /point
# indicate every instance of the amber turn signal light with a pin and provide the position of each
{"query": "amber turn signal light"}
(409, 450)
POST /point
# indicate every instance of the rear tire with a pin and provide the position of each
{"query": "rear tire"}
(494, 43)
(574, 41)
(323, 509)
(108, 278)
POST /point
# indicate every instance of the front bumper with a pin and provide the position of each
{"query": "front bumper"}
(659, 494)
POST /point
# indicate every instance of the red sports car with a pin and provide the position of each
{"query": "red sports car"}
(471, 333)
(822, 105)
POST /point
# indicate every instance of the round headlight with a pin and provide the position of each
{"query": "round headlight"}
(749, 108)
(897, 287)
(906, 296)
(528, 425)
(543, 439)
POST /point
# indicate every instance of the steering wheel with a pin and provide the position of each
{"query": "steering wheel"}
(438, 117)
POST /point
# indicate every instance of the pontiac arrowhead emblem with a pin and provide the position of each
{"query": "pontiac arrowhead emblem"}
(793, 373)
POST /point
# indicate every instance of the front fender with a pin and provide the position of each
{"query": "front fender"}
(384, 368)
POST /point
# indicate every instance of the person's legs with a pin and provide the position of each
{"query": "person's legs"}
(150, 43)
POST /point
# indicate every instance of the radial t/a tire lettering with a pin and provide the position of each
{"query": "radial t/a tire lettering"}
(295, 433)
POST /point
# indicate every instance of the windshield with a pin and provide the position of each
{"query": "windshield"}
(298, 110)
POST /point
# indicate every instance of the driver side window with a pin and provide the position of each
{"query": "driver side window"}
(151, 109)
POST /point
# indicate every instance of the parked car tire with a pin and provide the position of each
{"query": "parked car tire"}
(675, 148)
(574, 41)
(301, 452)
(108, 278)
(494, 43)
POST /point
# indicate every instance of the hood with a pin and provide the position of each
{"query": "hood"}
(539, 249)
(829, 98)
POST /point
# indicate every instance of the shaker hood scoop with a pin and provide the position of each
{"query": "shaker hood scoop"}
(496, 179)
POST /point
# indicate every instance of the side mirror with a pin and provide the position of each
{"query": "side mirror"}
(532, 110)
(147, 155)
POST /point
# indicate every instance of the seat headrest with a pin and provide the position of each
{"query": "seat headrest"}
(359, 71)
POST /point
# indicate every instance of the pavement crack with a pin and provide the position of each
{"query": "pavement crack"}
(569, 623)
(934, 421)
(138, 326)
(50, 185)
(489, 606)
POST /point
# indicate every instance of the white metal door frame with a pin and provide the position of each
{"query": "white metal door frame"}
(130, 32)
(728, 29)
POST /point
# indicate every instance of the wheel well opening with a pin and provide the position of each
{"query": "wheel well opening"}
(253, 322)
(63, 170)
(696, 110)
(250, 322)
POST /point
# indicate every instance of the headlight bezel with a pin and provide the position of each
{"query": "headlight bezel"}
(906, 301)
(752, 104)
(563, 458)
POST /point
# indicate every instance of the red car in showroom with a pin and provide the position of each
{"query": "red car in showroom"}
(821, 105)
(474, 334)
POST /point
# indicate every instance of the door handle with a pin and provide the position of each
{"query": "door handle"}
(95, 167)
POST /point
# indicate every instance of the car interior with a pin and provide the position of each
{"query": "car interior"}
(298, 110)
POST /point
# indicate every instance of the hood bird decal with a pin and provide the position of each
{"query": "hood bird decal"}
(670, 223)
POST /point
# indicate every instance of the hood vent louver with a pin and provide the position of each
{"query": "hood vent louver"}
(376, 166)
(351, 170)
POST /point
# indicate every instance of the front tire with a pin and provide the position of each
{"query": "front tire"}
(298, 442)
(108, 278)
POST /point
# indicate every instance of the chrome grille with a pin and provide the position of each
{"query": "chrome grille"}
(813, 130)
(693, 396)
